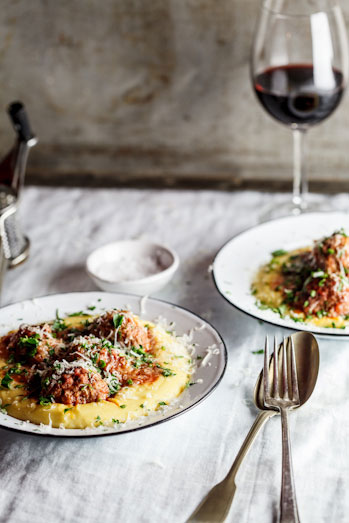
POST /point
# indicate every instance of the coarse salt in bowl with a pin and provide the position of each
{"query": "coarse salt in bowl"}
(133, 266)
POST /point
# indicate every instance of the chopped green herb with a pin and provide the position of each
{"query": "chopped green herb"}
(313, 293)
(161, 403)
(44, 402)
(260, 351)
(91, 308)
(58, 324)
(102, 364)
(167, 372)
(17, 369)
(330, 251)
(31, 343)
(296, 320)
(66, 410)
(115, 421)
(262, 306)
(282, 310)
(142, 405)
(279, 252)
(129, 382)
(122, 406)
(117, 320)
(6, 380)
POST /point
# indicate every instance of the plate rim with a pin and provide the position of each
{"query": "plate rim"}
(333, 336)
(140, 427)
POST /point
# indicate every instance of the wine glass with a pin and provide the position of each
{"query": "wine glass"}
(299, 71)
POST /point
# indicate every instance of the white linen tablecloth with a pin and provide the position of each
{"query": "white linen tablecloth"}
(161, 474)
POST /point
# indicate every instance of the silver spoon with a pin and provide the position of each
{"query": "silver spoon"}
(216, 505)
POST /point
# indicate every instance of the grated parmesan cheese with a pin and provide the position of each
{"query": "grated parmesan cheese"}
(142, 305)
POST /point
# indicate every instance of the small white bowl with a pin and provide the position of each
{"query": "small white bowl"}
(132, 266)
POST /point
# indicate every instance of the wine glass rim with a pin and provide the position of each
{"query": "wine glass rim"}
(297, 15)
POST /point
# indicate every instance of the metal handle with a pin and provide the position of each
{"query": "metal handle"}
(26, 140)
(215, 506)
(4, 250)
(20, 121)
(288, 504)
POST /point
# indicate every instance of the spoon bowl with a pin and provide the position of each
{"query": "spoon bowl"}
(307, 363)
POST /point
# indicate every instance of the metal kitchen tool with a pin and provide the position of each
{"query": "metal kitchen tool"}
(12, 173)
(216, 505)
(283, 394)
(8, 209)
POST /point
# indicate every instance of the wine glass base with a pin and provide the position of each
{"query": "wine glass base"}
(281, 210)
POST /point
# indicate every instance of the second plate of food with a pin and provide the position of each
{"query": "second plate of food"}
(292, 272)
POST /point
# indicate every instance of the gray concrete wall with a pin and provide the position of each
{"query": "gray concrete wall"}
(120, 90)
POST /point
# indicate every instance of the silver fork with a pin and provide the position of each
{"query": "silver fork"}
(283, 402)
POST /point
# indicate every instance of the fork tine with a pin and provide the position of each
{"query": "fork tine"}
(294, 378)
(284, 370)
(266, 369)
(276, 369)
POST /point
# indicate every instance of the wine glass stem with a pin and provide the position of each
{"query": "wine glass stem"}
(300, 184)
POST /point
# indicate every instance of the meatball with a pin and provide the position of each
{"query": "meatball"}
(112, 363)
(101, 353)
(33, 344)
(125, 371)
(75, 386)
(127, 328)
(327, 296)
(332, 254)
(88, 346)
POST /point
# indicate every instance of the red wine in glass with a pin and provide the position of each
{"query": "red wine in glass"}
(299, 71)
(290, 94)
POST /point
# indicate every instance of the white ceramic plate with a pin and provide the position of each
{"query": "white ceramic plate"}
(43, 309)
(238, 261)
